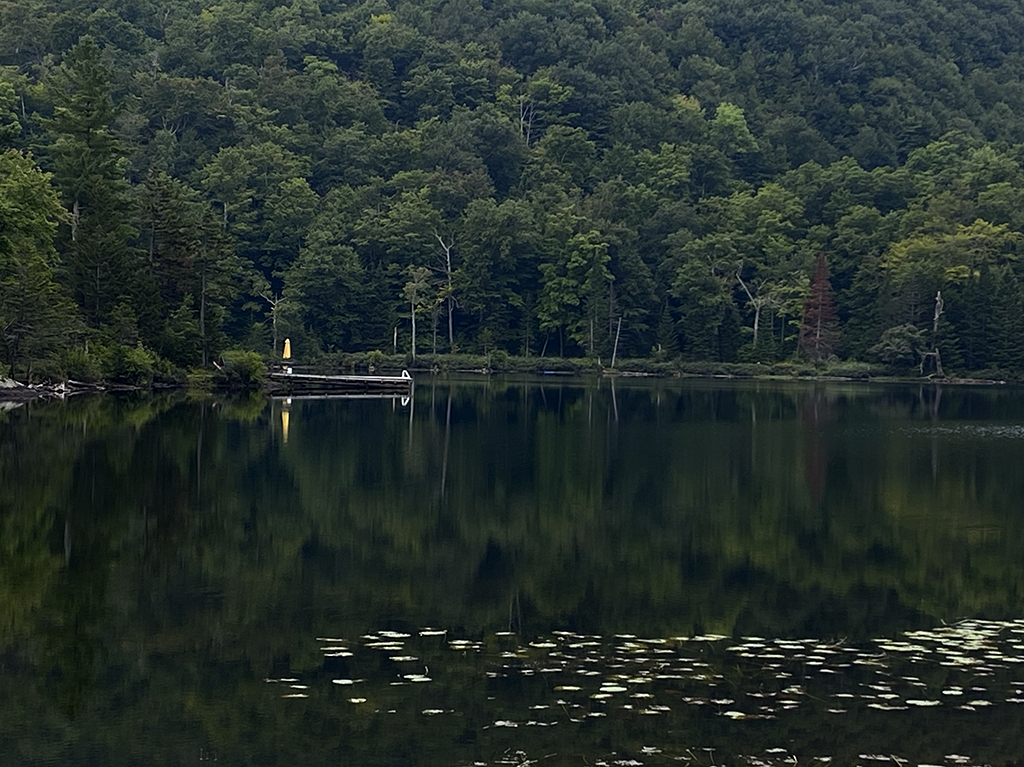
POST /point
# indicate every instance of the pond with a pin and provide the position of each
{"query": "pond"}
(547, 571)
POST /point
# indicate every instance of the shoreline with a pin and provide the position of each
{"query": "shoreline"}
(15, 391)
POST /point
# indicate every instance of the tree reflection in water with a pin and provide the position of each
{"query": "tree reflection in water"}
(162, 557)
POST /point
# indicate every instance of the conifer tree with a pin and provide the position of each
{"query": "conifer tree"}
(192, 269)
(667, 337)
(819, 332)
(89, 171)
(1007, 324)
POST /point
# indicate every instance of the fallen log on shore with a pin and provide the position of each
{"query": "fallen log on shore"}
(15, 391)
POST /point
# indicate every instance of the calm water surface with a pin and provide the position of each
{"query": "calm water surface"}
(552, 572)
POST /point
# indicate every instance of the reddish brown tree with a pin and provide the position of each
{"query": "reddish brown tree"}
(819, 332)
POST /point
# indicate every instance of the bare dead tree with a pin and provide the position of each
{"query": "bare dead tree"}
(446, 257)
(275, 302)
(761, 301)
(940, 308)
(526, 114)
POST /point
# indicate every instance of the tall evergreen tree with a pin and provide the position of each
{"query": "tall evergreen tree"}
(88, 164)
(1007, 323)
(192, 269)
(819, 332)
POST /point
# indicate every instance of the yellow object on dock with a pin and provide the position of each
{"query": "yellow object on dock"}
(287, 349)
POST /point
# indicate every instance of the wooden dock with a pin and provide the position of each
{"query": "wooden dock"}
(305, 383)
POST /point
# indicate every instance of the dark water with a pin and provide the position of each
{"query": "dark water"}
(551, 572)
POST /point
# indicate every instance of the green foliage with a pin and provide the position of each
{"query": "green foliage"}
(35, 314)
(193, 276)
(200, 380)
(81, 365)
(901, 346)
(235, 173)
(89, 169)
(241, 369)
(416, 292)
(853, 369)
(498, 360)
(10, 128)
(131, 365)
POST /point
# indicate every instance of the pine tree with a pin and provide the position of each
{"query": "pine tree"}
(971, 314)
(192, 271)
(1007, 324)
(667, 337)
(819, 332)
(89, 171)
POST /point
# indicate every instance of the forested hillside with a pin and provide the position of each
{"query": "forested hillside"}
(710, 180)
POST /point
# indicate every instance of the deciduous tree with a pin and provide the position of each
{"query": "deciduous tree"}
(35, 314)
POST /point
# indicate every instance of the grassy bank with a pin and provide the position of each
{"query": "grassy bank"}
(500, 362)
(247, 371)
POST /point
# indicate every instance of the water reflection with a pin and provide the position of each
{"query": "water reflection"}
(162, 557)
(680, 697)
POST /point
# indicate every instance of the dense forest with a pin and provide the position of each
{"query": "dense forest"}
(702, 180)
